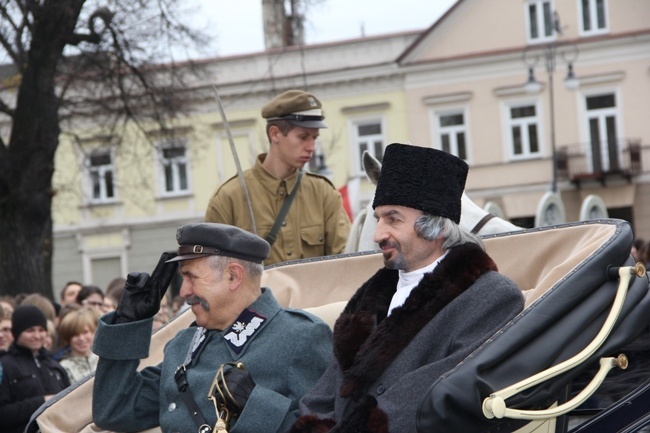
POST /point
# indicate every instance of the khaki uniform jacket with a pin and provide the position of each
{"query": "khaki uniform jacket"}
(316, 224)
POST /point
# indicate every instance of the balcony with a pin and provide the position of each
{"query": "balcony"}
(599, 161)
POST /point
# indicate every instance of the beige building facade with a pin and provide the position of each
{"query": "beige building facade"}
(118, 206)
(457, 86)
(465, 83)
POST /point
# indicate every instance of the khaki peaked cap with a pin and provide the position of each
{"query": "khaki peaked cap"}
(296, 107)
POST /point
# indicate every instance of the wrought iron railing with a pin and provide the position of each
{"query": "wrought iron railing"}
(599, 161)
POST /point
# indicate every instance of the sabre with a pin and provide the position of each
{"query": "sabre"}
(240, 173)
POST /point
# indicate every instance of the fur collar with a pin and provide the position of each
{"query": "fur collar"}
(366, 342)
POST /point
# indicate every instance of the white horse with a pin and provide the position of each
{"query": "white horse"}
(473, 218)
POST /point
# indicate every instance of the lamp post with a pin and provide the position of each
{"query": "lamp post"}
(549, 53)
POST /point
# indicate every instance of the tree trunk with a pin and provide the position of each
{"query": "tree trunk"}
(27, 164)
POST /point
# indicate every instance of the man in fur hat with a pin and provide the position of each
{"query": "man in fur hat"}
(438, 298)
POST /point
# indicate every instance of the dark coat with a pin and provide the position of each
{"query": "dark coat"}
(384, 365)
(24, 381)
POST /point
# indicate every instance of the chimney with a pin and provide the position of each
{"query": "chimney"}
(282, 28)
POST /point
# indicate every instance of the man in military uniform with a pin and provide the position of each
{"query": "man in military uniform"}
(316, 223)
(283, 352)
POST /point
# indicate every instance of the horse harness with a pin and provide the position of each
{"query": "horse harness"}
(479, 225)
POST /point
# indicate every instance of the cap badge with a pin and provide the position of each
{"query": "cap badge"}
(242, 329)
(312, 101)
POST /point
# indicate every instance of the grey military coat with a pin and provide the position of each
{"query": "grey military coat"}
(285, 355)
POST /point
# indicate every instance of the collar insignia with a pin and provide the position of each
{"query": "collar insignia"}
(242, 329)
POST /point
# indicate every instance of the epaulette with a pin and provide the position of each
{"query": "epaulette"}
(320, 177)
(224, 184)
(301, 313)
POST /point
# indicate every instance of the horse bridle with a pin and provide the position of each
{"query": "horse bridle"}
(479, 225)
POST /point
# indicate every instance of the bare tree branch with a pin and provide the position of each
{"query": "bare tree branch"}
(4, 108)
(74, 62)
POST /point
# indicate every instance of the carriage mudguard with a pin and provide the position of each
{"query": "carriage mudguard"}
(554, 327)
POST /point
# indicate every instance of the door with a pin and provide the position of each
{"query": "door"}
(603, 152)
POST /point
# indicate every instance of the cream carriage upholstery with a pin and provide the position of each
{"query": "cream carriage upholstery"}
(555, 267)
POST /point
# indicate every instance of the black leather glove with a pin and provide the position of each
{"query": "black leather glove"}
(142, 293)
(236, 387)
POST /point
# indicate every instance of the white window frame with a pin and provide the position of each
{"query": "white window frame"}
(509, 123)
(90, 253)
(595, 30)
(175, 164)
(586, 115)
(453, 131)
(356, 141)
(101, 171)
(541, 22)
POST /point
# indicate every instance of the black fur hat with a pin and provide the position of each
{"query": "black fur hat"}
(421, 178)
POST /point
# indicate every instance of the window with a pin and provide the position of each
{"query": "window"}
(174, 168)
(603, 150)
(594, 16)
(100, 170)
(369, 137)
(540, 20)
(524, 131)
(453, 134)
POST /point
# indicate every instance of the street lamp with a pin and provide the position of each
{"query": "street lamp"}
(550, 52)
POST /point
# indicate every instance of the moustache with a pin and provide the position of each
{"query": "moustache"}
(193, 300)
(383, 244)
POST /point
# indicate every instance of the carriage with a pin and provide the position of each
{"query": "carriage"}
(576, 359)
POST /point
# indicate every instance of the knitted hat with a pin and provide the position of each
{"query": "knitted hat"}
(421, 178)
(26, 316)
(296, 107)
(205, 239)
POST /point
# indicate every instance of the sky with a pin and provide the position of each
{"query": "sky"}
(237, 24)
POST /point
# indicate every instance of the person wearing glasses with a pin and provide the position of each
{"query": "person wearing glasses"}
(93, 296)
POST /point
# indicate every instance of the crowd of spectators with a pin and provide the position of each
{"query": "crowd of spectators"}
(45, 345)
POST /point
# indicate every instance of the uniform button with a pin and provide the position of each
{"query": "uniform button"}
(289, 253)
(171, 407)
(321, 239)
(282, 194)
(284, 223)
(381, 389)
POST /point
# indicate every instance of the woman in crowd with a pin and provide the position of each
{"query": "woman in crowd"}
(30, 376)
(5, 329)
(7, 303)
(77, 332)
(92, 296)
